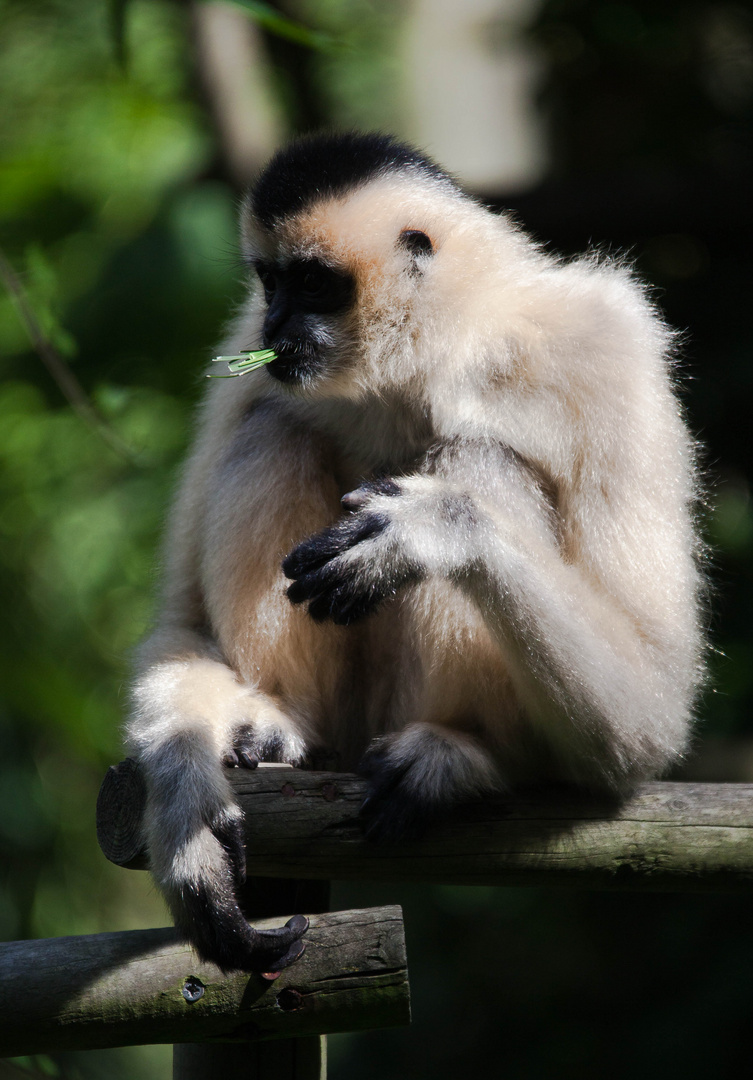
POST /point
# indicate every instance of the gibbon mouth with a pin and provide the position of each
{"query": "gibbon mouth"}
(292, 365)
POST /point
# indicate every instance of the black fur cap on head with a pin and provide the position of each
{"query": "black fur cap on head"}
(317, 166)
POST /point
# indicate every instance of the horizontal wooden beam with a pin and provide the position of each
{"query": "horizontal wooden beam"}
(306, 825)
(145, 986)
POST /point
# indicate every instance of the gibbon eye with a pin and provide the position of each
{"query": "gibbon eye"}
(317, 287)
(314, 283)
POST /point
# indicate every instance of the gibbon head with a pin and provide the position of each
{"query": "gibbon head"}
(361, 245)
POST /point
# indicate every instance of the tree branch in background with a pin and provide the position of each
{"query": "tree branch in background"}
(231, 65)
(269, 18)
(66, 381)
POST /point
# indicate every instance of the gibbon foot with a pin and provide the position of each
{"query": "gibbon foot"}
(204, 899)
(250, 745)
(347, 570)
(230, 942)
(298, 925)
(396, 808)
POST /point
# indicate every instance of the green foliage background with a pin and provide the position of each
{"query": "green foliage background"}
(117, 215)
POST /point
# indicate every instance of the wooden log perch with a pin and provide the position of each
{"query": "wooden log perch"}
(145, 986)
(306, 825)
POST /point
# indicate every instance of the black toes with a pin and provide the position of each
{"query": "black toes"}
(278, 949)
(240, 757)
(245, 752)
(231, 943)
(213, 922)
(295, 952)
(374, 760)
(299, 924)
(245, 744)
(384, 778)
(247, 759)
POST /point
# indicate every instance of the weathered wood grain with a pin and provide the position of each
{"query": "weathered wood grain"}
(145, 986)
(667, 836)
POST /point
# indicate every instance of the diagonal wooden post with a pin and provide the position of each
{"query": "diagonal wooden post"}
(147, 986)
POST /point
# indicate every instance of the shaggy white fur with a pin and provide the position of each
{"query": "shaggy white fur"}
(536, 553)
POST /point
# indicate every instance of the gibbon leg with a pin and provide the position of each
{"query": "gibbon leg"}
(232, 676)
(417, 774)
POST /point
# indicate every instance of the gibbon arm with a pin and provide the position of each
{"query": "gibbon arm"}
(608, 695)
(189, 716)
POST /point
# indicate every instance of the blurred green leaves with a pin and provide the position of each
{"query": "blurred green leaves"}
(99, 183)
(78, 123)
(125, 256)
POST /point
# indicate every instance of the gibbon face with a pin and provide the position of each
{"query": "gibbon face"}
(336, 269)
(307, 299)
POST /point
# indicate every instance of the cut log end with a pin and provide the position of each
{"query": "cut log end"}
(120, 815)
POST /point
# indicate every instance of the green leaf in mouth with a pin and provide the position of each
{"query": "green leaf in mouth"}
(243, 362)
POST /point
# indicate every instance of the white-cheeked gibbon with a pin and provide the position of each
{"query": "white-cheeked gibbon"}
(446, 533)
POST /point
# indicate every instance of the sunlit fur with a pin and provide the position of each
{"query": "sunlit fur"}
(524, 404)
